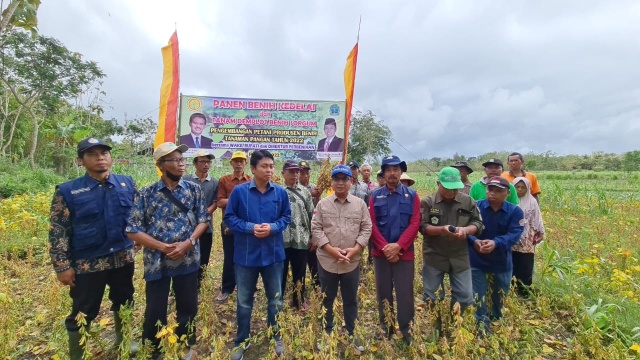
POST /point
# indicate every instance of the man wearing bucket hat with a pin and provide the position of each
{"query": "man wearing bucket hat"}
(89, 247)
(492, 167)
(167, 218)
(465, 171)
(490, 253)
(341, 227)
(395, 214)
(226, 184)
(406, 180)
(202, 162)
(448, 216)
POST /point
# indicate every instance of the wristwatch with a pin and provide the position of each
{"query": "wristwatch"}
(193, 241)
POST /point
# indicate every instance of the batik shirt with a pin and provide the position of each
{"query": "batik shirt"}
(153, 213)
(298, 233)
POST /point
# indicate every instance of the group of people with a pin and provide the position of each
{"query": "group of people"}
(99, 220)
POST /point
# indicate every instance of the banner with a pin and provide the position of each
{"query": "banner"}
(169, 93)
(290, 129)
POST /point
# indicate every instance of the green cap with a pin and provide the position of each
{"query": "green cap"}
(449, 177)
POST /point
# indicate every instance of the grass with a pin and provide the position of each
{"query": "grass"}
(587, 280)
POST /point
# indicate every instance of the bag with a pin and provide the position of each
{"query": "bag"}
(191, 216)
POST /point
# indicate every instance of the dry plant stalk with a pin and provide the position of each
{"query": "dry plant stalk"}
(324, 176)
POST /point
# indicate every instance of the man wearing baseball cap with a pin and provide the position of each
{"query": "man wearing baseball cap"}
(448, 216)
(209, 185)
(341, 227)
(316, 192)
(492, 167)
(167, 218)
(89, 246)
(490, 253)
(297, 236)
(225, 186)
(465, 171)
(395, 215)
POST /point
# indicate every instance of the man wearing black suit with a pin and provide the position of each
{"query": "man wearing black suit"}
(331, 143)
(195, 140)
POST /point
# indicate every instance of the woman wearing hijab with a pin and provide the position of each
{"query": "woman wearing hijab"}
(533, 234)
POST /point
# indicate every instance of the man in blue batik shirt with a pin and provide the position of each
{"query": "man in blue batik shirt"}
(170, 235)
(491, 256)
(258, 212)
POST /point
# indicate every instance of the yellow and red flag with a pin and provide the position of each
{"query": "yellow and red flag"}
(349, 83)
(169, 96)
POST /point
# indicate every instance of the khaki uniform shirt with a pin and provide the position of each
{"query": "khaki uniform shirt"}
(442, 252)
(467, 187)
(342, 225)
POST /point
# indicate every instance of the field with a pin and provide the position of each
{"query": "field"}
(587, 280)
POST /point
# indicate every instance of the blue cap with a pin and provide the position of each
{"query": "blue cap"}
(393, 160)
(341, 169)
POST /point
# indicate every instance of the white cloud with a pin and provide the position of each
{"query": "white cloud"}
(447, 76)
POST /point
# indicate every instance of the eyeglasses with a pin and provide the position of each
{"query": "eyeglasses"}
(204, 162)
(175, 161)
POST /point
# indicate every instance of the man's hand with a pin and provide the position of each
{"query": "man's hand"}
(211, 209)
(261, 231)
(67, 277)
(391, 250)
(487, 246)
(313, 245)
(477, 246)
(167, 248)
(180, 250)
(316, 192)
(394, 259)
(353, 251)
(461, 233)
(337, 253)
(537, 238)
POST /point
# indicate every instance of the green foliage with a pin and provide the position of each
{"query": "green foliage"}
(21, 14)
(368, 137)
(17, 178)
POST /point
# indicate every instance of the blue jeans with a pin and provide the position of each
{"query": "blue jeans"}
(499, 287)
(246, 280)
(461, 286)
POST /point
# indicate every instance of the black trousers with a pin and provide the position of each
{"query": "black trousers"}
(348, 283)
(228, 273)
(312, 261)
(87, 295)
(297, 259)
(185, 289)
(206, 242)
(523, 271)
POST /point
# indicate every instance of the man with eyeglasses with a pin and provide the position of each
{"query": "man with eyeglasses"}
(167, 218)
(209, 185)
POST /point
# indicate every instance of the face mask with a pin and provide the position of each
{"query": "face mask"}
(172, 177)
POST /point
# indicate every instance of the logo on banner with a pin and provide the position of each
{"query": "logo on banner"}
(334, 110)
(194, 104)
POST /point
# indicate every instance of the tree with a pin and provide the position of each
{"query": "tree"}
(631, 161)
(22, 14)
(368, 137)
(43, 75)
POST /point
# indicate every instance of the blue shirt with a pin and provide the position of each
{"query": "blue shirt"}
(153, 213)
(505, 227)
(246, 207)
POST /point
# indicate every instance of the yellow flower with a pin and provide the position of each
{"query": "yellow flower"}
(173, 339)
(161, 333)
(593, 260)
(635, 347)
(625, 252)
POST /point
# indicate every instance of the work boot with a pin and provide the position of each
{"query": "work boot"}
(75, 349)
(117, 324)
